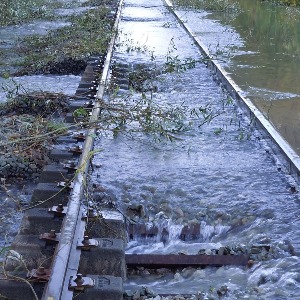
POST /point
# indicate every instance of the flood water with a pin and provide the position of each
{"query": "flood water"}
(66, 84)
(219, 174)
(14, 197)
(260, 47)
(11, 40)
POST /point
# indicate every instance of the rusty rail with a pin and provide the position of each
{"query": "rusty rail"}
(181, 261)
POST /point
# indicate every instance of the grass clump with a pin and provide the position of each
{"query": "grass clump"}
(211, 5)
(65, 50)
(20, 11)
(30, 123)
(37, 103)
(288, 2)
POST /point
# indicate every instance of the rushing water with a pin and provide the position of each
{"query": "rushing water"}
(260, 47)
(219, 175)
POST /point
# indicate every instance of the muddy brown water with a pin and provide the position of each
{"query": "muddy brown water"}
(272, 73)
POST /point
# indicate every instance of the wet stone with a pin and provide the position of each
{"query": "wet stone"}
(136, 295)
(162, 271)
(223, 291)
(208, 252)
(12, 166)
(143, 293)
(221, 251)
(179, 212)
(144, 273)
(100, 196)
(134, 210)
(128, 294)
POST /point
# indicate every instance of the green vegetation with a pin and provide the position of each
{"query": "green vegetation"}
(144, 115)
(32, 121)
(280, 24)
(224, 5)
(288, 2)
(65, 50)
(212, 5)
(61, 51)
(20, 11)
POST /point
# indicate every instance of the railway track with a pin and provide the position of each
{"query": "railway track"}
(57, 222)
(74, 251)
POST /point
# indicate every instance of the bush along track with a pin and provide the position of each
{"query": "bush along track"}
(66, 50)
(40, 114)
(26, 116)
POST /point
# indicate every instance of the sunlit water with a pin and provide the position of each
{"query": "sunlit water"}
(226, 182)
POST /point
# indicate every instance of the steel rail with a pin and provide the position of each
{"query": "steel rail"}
(67, 256)
(280, 146)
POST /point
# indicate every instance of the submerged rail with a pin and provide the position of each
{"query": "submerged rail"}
(64, 271)
(279, 144)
